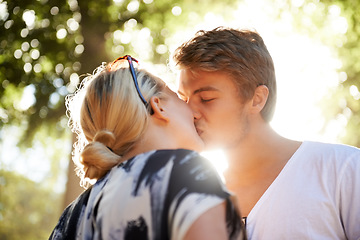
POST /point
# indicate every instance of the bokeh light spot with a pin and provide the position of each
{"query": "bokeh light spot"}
(54, 10)
(79, 49)
(37, 68)
(25, 46)
(34, 43)
(17, 53)
(35, 54)
(125, 37)
(176, 11)
(24, 32)
(133, 6)
(72, 24)
(161, 49)
(4, 14)
(27, 67)
(61, 33)
(29, 17)
(8, 24)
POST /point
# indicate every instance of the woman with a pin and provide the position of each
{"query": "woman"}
(137, 139)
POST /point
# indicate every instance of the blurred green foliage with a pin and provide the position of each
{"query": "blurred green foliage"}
(33, 57)
(26, 210)
(349, 53)
(317, 20)
(47, 44)
(343, 103)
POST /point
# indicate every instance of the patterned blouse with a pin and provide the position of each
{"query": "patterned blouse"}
(155, 195)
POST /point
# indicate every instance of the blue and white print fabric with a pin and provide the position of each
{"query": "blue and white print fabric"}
(155, 195)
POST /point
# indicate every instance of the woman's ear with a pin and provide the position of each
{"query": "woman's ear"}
(158, 108)
(260, 98)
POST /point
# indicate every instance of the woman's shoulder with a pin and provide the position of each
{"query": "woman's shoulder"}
(179, 154)
(181, 157)
(195, 173)
(157, 159)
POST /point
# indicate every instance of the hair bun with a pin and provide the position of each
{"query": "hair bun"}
(97, 157)
(105, 137)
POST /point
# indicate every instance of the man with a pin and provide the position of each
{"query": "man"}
(285, 189)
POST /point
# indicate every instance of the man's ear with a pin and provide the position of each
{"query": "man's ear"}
(158, 108)
(260, 98)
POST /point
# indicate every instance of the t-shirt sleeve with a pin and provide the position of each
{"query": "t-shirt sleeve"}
(194, 188)
(350, 196)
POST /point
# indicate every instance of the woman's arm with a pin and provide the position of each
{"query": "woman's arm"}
(210, 225)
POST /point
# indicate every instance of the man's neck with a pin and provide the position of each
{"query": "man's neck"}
(255, 164)
(262, 153)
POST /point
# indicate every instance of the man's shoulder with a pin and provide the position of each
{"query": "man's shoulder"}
(329, 148)
(329, 155)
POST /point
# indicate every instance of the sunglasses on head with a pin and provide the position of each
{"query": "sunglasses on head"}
(114, 65)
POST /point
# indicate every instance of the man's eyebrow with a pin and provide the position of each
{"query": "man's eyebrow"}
(180, 93)
(203, 89)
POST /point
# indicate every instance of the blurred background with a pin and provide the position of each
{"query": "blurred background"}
(47, 46)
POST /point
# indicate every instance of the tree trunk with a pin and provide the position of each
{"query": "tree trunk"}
(93, 31)
(73, 188)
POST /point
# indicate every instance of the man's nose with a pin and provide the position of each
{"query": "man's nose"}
(197, 116)
(194, 109)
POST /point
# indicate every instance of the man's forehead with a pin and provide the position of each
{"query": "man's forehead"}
(189, 77)
(190, 83)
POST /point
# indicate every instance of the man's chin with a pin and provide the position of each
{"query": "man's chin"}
(210, 145)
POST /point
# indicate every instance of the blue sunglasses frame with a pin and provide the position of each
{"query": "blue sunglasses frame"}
(132, 70)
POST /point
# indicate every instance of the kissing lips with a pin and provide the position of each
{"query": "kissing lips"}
(199, 131)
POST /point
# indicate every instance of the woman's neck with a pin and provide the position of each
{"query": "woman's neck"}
(154, 138)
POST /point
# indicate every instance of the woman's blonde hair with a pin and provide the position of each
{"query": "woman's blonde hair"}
(108, 117)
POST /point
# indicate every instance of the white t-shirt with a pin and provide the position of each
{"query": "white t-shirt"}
(315, 196)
